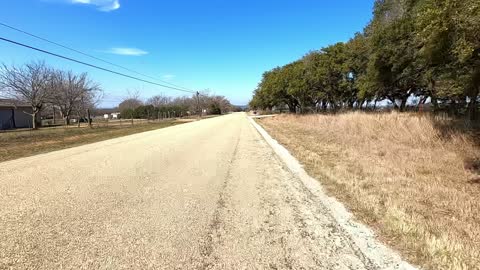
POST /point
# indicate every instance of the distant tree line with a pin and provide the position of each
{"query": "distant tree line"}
(161, 106)
(44, 87)
(427, 49)
(50, 91)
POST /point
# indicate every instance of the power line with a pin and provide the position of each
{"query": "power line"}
(94, 66)
(90, 56)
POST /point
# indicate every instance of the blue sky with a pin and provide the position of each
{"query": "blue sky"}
(220, 45)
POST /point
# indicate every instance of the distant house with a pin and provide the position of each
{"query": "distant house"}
(115, 115)
(15, 114)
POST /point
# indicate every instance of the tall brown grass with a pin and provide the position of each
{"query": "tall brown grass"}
(413, 182)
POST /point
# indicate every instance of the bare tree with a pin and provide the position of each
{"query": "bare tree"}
(159, 101)
(69, 91)
(129, 104)
(28, 83)
(88, 101)
(219, 105)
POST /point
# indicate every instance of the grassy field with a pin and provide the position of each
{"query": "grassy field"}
(414, 181)
(22, 143)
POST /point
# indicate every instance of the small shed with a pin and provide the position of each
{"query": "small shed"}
(14, 114)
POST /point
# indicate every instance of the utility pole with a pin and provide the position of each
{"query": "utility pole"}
(198, 105)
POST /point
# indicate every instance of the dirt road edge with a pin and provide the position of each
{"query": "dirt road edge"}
(362, 236)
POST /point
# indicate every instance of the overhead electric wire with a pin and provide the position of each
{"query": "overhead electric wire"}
(91, 56)
(94, 66)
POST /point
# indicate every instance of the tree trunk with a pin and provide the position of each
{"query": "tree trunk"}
(34, 120)
(351, 104)
(403, 104)
(434, 103)
(433, 96)
(89, 119)
(334, 106)
(360, 104)
(292, 108)
(421, 103)
(394, 102)
(62, 115)
(472, 106)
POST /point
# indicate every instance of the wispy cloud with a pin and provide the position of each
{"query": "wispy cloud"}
(127, 51)
(168, 77)
(103, 5)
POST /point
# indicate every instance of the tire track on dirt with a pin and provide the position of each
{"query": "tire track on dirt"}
(214, 237)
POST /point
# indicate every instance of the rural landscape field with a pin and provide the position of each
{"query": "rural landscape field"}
(240, 134)
(403, 174)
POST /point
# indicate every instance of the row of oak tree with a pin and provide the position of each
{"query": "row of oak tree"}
(427, 49)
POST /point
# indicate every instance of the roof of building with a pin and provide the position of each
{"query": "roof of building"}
(105, 110)
(12, 103)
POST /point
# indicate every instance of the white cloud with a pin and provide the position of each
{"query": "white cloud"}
(127, 51)
(168, 77)
(103, 5)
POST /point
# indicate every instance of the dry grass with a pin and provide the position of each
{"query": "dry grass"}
(17, 144)
(414, 183)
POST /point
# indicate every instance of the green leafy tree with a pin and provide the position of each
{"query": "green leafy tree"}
(393, 70)
(426, 49)
(356, 63)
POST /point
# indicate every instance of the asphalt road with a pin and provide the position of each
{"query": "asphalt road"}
(204, 195)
